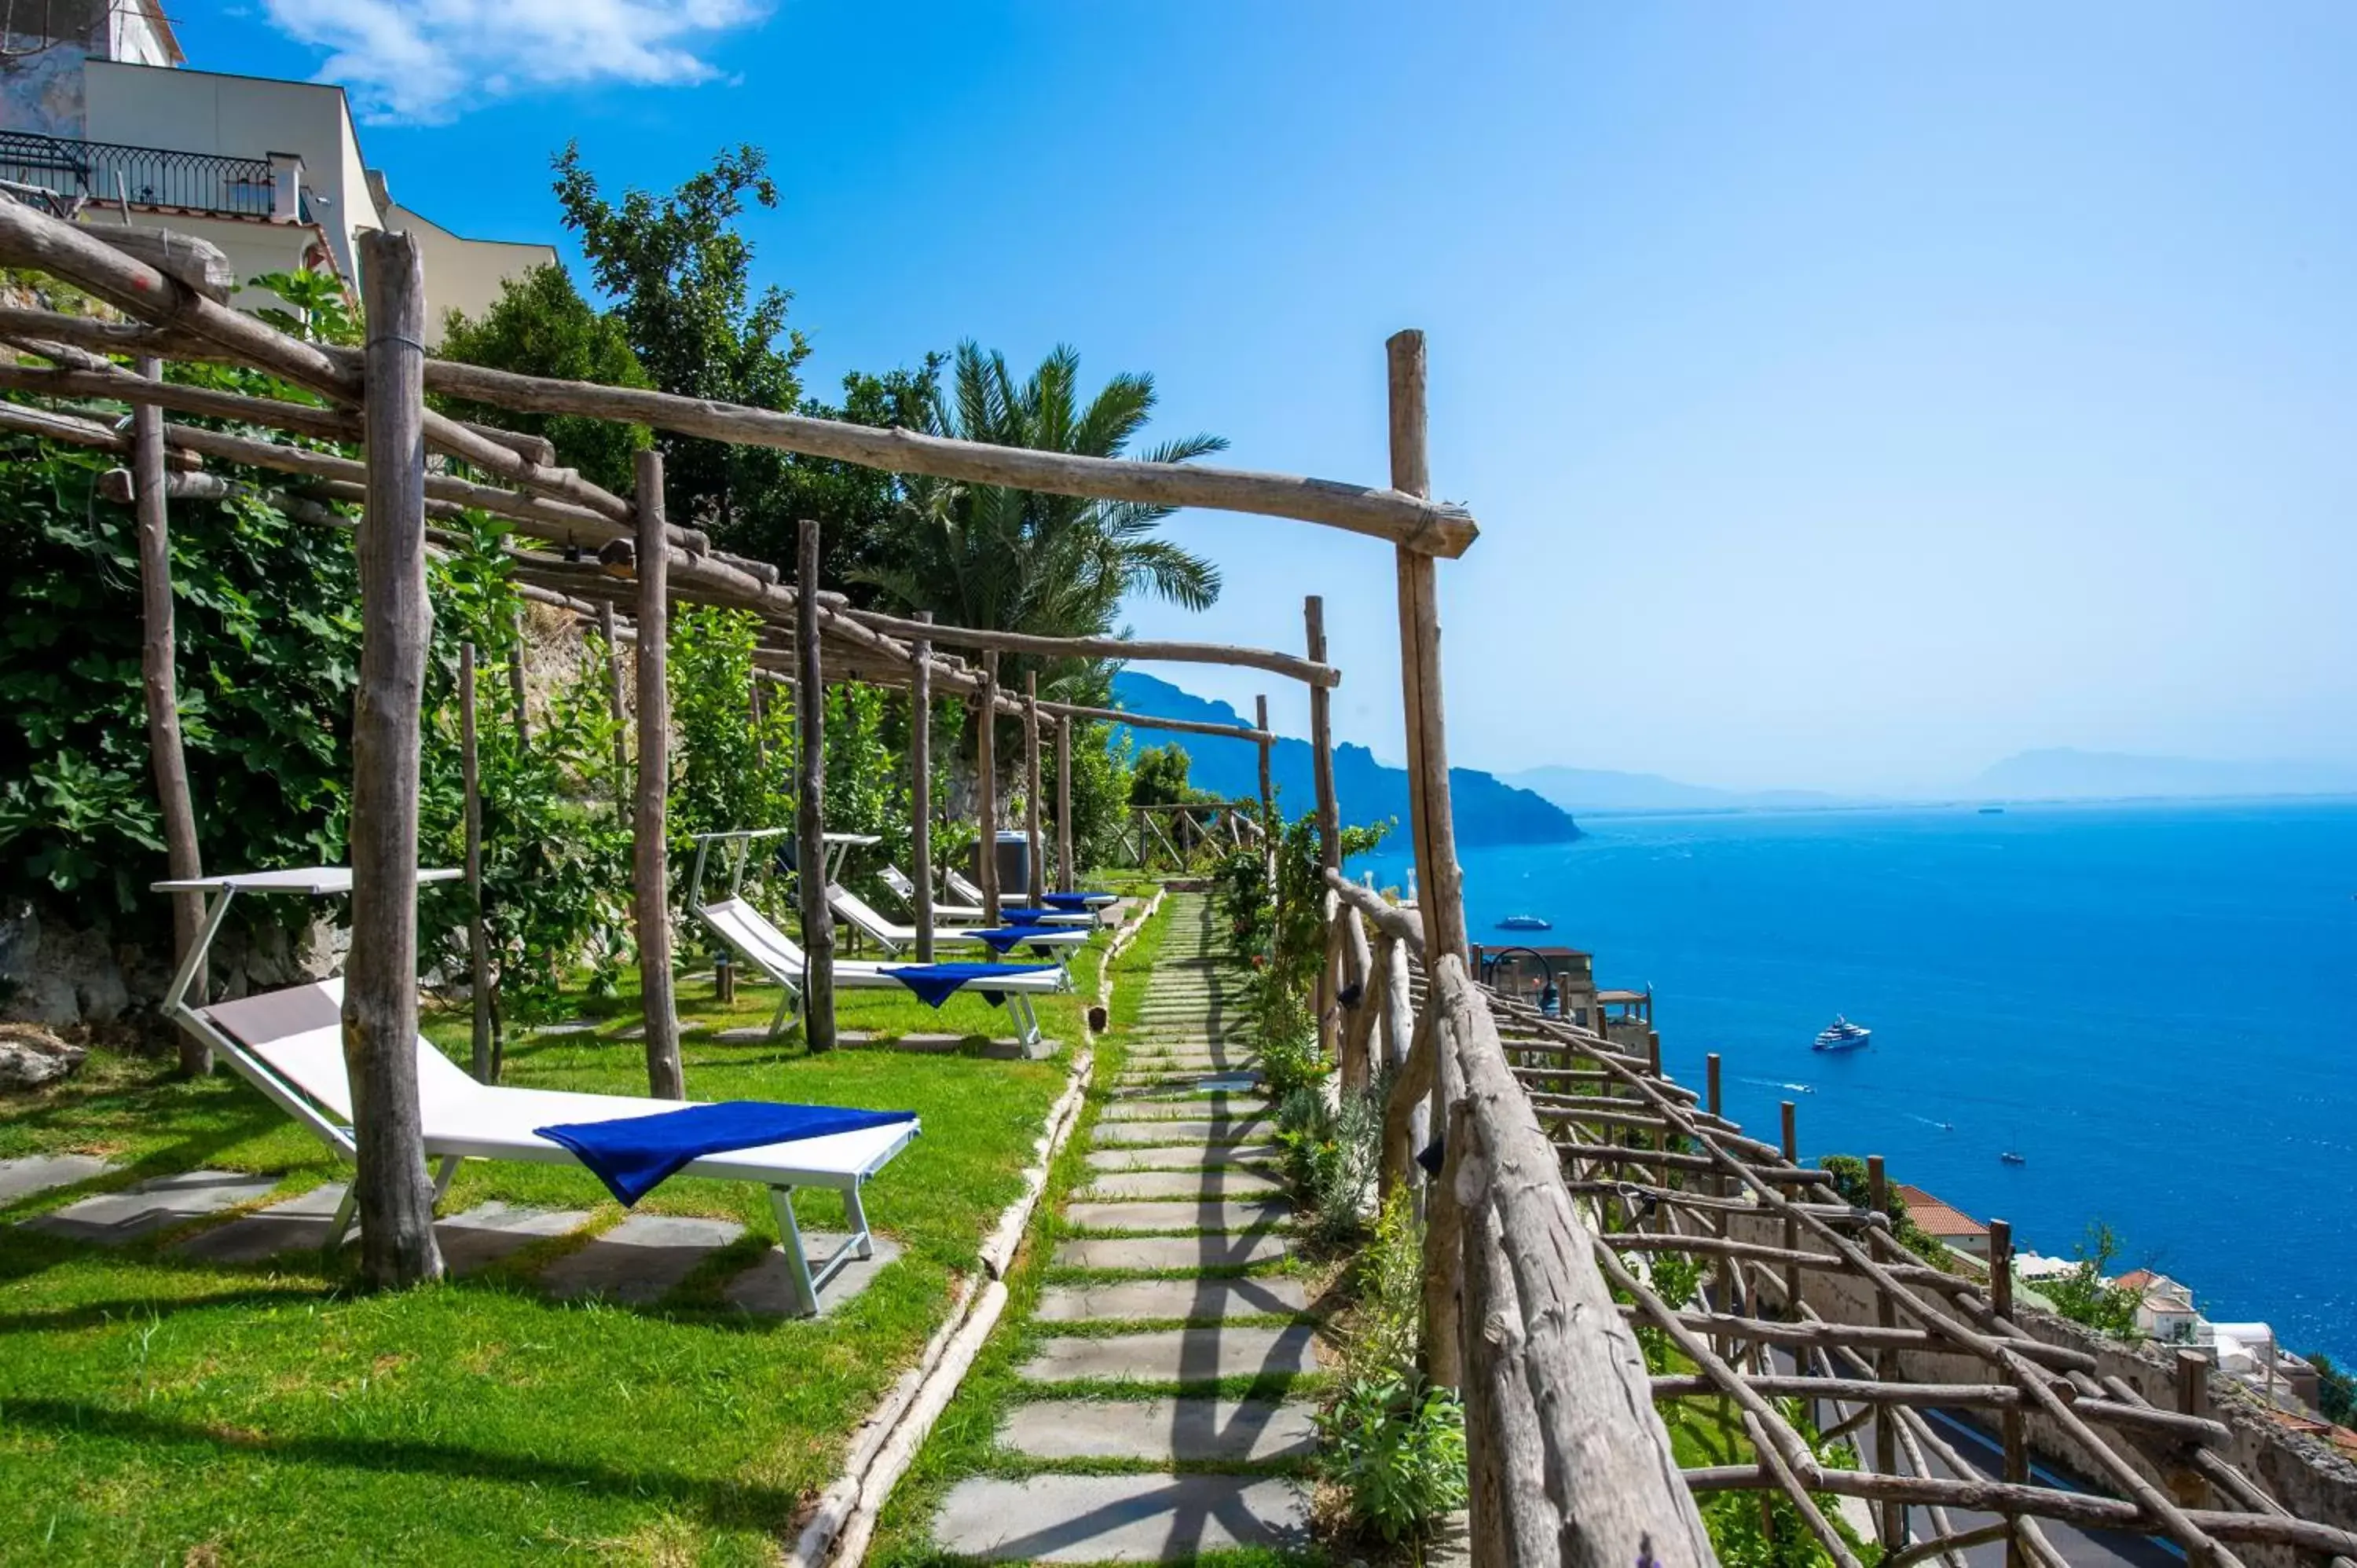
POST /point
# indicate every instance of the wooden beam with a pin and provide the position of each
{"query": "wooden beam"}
(649, 847)
(1329, 816)
(986, 784)
(1412, 522)
(1267, 774)
(159, 685)
(1147, 721)
(395, 1198)
(1441, 895)
(1121, 648)
(79, 431)
(920, 784)
(1031, 775)
(1068, 876)
(810, 805)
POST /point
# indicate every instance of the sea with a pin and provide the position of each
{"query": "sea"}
(2154, 1005)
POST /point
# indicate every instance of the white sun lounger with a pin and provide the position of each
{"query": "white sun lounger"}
(755, 939)
(892, 938)
(906, 891)
(958, 885)
(289, 1044)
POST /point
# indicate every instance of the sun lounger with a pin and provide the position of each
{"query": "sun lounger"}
(755, 939)
(289, 1044)
(892, 937)
(906, 891)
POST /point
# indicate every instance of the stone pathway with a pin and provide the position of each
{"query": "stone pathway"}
(1148, 1302)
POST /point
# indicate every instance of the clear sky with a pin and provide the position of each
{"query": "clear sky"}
(1850, 394)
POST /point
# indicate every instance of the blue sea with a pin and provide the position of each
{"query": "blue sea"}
(2153, 1003)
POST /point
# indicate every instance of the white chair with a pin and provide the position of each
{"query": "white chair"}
(958, 885)
(892, 937)
(906, 891)
(289, 1044)
(752, 936)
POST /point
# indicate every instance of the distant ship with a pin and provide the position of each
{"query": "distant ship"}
(1526, 923)
(2009, 1157)
(1841, 1035)
(1992, 810)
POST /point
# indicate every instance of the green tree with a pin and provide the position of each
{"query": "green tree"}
(2082, 1295)
(2336, 1390)
(540, 325)
(1158, 778)
(680, 275)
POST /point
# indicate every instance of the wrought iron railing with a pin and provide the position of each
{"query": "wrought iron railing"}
(154, 178)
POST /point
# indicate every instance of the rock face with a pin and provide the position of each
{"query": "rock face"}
(31, 1056)
(54, 974)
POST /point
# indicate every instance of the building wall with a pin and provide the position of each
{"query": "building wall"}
(461, 273)
(241, 116)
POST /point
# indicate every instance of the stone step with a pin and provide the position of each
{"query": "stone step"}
(1119, 1519)
(1225, 1130)
(1142, 1253)
(1174, 1354)
(1173, 1431)
(1182, 1160)
(1138, 1218)
(1191, 1299)
(1181, 1107)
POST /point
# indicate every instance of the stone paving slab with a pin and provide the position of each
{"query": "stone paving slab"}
(1226, 1130)
(479, 1237)
(112, 1219)
(1119, 1519)
(1175, 1354)
(1170, 1252)
(1182, 1430)
(1181, 1106)
(1184, 1158)
(1197, 1299)
(1189, 1086)
(44, 1173)
(281, 1227)
(765, 1290)
(1116, 1219)
(640, 1261)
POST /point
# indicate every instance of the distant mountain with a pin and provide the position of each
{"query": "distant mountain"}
(1487, 811)
(1601, 789)
(2060, 773)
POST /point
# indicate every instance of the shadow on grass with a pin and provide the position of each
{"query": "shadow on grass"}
(720, 1504)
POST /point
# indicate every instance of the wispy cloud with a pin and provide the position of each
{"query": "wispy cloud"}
(430, 61)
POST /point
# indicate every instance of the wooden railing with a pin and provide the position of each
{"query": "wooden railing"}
(1568, 1461)
(1173, 835)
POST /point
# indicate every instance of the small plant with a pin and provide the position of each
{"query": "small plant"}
(1397, 1451)
(1387, 1331)
(1330, 1155)
(2082, 1295)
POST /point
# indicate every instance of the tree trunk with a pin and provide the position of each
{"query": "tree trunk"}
(809, 811)
(666, 1079)
(920, 788)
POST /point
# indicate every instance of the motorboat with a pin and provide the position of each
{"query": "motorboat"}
(2011, 1158)
(1841, 1035)
(1526, 923)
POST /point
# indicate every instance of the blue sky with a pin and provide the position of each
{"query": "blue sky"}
(1850, 396)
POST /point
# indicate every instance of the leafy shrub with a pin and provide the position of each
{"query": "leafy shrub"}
(1387, 1327)
(2082, 1295)
(1331, 1156)
(1397, 1450)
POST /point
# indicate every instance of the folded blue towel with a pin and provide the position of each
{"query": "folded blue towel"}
(633, 1154)
(1025, 915)
(1007, 937)
(937, 982)
(1071, 903)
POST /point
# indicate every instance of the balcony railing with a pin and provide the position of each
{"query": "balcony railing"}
(154, 178)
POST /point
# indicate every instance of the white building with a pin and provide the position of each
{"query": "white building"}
(2164, 1307)
(95, 104)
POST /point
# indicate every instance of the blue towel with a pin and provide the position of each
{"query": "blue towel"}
(1025, 914)
(1007, 937)
(937, 982)
(1073, 903)
(633, 1154)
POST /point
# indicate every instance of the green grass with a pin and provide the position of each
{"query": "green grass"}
(158, 1410)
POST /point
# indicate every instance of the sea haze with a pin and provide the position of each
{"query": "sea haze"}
(2153, 1003)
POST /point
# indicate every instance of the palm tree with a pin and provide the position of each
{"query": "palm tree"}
(981, 556)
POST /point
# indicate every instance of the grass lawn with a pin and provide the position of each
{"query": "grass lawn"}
(156, 1409)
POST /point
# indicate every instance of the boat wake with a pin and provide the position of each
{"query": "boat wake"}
(1778, 1083)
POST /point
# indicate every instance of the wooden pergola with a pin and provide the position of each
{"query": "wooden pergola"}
(176, 296)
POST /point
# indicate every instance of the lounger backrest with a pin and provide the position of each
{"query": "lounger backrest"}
(898, 881)
(964, 888)
(298, 1035)
(750, 932)
(856, 909)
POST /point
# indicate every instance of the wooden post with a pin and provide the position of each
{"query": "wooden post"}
(478, 936)
(666, 1080)
(1788, 1113)
(393, 1195)
(1886, 1369)
(1329, 811)
(2015, 1447)
(1031, 777)
(620, 708)
(515, 684)
(1267, 775)
(985, 743)
(921, 787)
(1711, 1100)
(810, 812)
(160, 684)
(1445, 1220)
(1441, 896)
(1068, 876)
